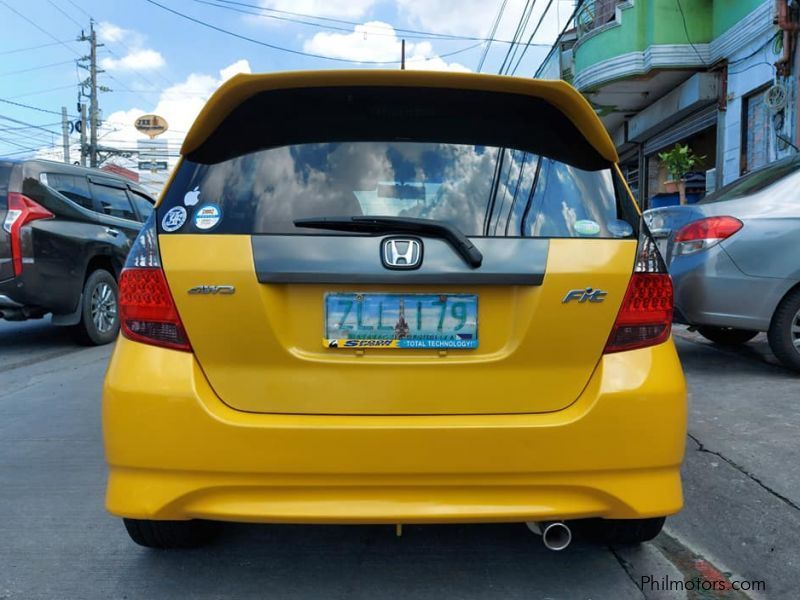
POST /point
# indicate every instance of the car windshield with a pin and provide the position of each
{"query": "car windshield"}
(481, 190)
(754, 182)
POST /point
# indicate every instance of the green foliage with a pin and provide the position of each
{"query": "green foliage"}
(679, 161)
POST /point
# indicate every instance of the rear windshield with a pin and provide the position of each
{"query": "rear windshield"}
(482, 190)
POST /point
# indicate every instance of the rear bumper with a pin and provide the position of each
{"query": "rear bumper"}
(176, 452)
(711, 290)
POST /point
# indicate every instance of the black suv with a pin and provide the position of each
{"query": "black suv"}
(65, 233)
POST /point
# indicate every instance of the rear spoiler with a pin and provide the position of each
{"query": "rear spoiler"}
(241, 88)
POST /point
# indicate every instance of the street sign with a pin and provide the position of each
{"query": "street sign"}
(153, 165)
(153, 155)
(151, 125)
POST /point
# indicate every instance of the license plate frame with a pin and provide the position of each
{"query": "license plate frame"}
(362, 320)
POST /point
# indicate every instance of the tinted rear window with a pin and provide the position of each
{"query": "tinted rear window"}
(482, 190)
(492, 164)
(74, 187)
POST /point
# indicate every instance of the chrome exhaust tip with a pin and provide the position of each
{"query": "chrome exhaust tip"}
(556, 535)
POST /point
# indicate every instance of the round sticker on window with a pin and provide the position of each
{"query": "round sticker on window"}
(619, 228)
(207, 216)
(586, 227)
(174, 219)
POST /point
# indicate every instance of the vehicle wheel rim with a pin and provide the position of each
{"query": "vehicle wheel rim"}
(795, 331)
(104, 308)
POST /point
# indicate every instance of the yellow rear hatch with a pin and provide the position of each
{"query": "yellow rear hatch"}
(520, 170)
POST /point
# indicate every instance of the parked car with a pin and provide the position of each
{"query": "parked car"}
(735, 259)
(395, 297)
(65, 235)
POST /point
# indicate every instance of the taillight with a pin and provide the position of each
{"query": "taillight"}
(147, 310)
(704, 233)
(645, 317)
(21, 211)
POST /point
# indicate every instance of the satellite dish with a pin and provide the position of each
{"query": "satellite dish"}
(151, 125)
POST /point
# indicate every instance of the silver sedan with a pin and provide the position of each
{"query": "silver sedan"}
(735, 259)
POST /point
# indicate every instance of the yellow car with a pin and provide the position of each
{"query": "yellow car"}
(395, 297)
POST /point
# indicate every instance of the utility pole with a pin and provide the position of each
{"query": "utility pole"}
(402, 55)
(84, 149)
(65, 133)
(94, 109)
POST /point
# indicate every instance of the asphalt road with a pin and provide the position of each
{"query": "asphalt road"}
(742, 514)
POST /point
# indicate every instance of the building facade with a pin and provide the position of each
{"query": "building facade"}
(718, 75)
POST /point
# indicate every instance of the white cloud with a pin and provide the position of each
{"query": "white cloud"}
(136, 60)
(137, 56)
(108, 32)
(346, 9)
(377, 41)
(475, 17)
(178, 104)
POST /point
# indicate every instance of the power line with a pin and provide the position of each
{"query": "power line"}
(406, 32)
(65, 13)
(290, 50)
(533, 33)
(47, 45)
(578, 6)
(37, 92)
(28, 106)
(521, 25)
(36, 25)
(492, 32)
(18, 122)
(19, 71)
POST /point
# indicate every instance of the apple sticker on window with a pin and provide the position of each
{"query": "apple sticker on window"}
(192, 197)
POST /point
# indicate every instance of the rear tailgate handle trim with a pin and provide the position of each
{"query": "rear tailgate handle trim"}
(337, 259)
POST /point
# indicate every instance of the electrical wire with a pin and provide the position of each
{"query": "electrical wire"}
(37, 92)
(290, 50)
(36, 108)
(408, 32)
(492, 33)
(686, 31)
(521, 24)
(533, 33)
(557, 41)
(37, 26)
(29, 69)
(47, 45)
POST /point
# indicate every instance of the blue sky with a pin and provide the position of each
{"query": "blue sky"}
(157, 61)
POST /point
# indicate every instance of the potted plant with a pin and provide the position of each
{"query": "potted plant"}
(678, 162)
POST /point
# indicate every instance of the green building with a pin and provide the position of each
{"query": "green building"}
(719, 75)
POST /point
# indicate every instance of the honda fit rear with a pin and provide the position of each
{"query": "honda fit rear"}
(394, 297)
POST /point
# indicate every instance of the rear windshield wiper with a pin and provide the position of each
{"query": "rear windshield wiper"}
(452, 235)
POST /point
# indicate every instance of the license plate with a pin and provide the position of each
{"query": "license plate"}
(425, 321)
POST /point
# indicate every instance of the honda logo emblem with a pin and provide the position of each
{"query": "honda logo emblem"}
(401, 253)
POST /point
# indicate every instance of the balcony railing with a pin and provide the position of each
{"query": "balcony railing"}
(594, 14)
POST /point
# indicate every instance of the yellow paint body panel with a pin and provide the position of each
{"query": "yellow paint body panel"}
(260, 423)
(260, 347)
(176, 452)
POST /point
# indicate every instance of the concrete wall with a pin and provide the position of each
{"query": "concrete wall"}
(744, 77)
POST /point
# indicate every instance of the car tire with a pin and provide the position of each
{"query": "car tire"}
(621, 532)
(99, 322)
(727, 336)
(170, 534)
(784, 331)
